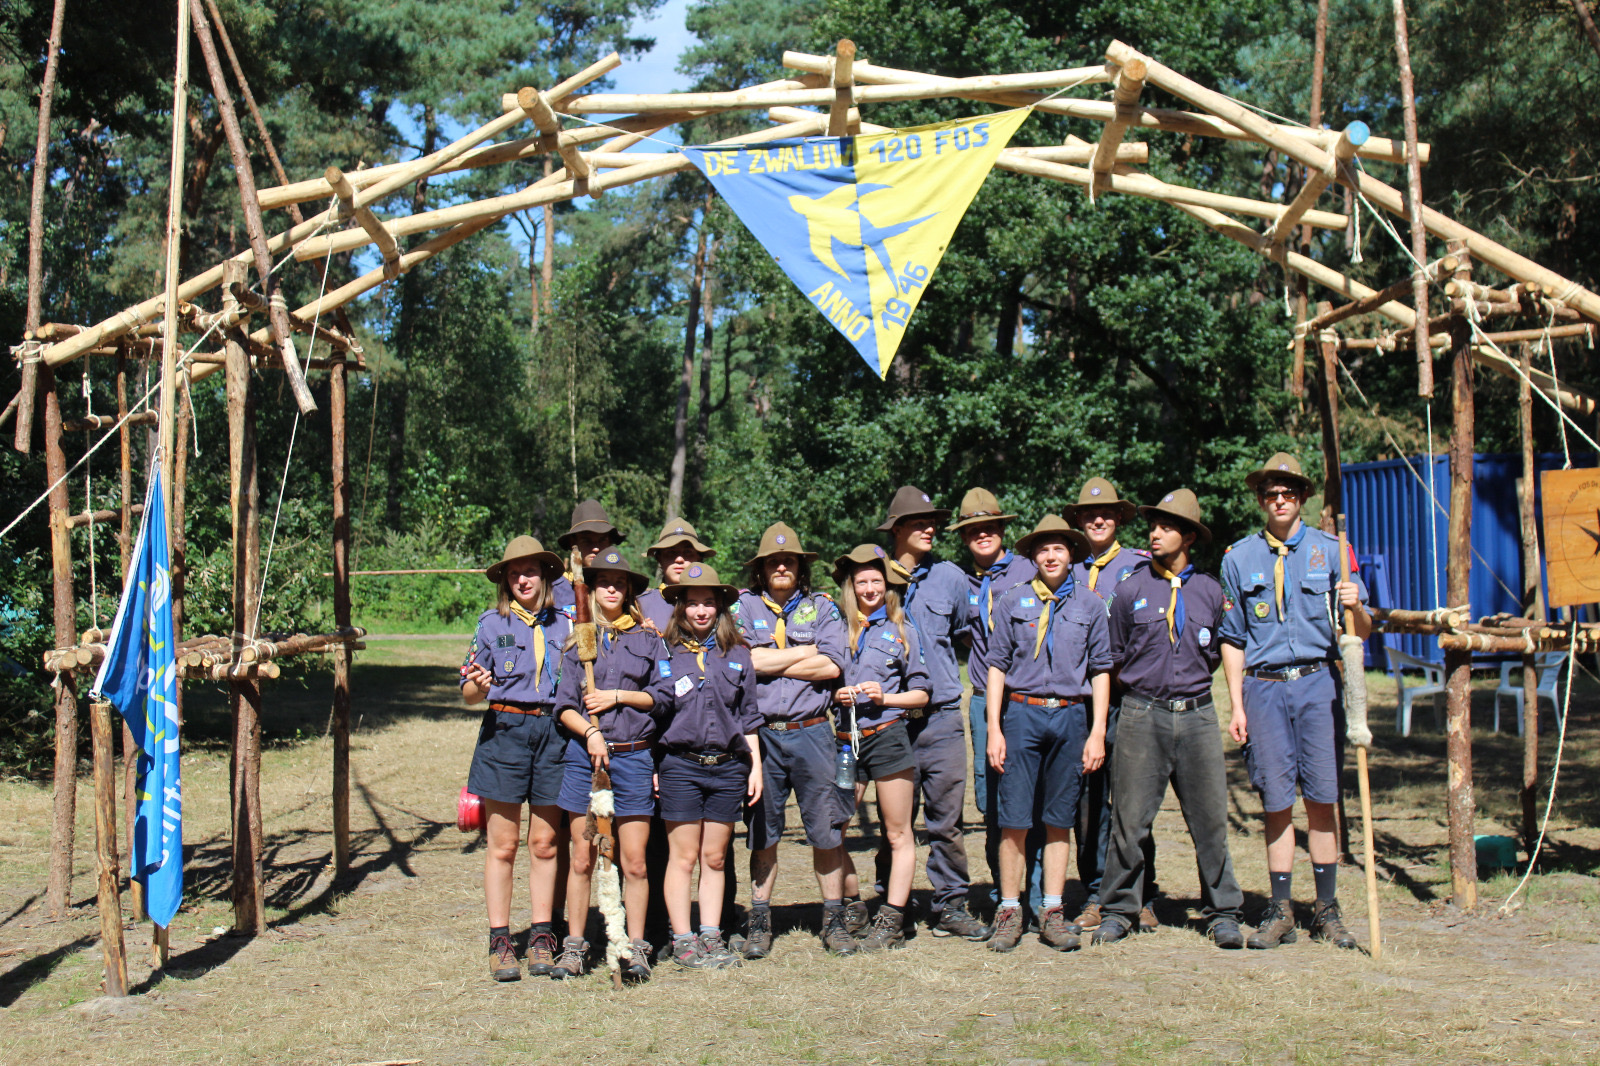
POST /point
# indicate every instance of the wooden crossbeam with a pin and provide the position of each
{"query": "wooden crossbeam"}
(86, 518)
(1351, 138)
(93, 422)
(1368, 304)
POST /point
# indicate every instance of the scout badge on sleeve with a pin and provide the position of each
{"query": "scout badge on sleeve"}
(1356, 731)
(602, 802)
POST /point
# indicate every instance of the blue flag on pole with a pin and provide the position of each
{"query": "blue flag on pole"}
(140, 678)
(860, 223)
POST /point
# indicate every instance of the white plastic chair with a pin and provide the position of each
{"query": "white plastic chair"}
(1551, 666)
(1432, 685)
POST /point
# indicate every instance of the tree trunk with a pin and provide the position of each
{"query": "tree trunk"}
(410, 298)
(680, 422)
(1419, 236)
(1458, 664)
(1587, 22)
(703, 415)
(59, 891)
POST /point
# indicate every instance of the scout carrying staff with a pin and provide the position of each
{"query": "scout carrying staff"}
(1279, 645)
(936, 601)
(883, 680)
(630, 657)
(677, 549)
(710, 762)
(1049, 658)
(797, 642)
(1100, 513)
(514, 663)
(591, 533)
(981, 523)
(1164, 622)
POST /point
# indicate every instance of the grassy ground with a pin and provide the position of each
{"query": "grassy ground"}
(389, 964)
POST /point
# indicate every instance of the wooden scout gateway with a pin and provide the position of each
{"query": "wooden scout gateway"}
(1440, 307)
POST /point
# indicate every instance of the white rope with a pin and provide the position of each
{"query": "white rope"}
(1530, 720)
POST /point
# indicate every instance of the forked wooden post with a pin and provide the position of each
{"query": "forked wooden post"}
(337, 391)
(1457, 661)
(844, 80)
(1532, 606)
(65, 604)
(107, 864)
(1129, 85)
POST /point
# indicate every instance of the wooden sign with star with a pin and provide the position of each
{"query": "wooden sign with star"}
(1572, 536)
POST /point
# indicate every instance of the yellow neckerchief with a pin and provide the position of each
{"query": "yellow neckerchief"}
(538, 638)
(780, 635)
(699, 650)
(1282, 548)
(662, 588)
(624, 622)
(1044, 616)
(897, 567)
(1172, 602)
(1096, 565)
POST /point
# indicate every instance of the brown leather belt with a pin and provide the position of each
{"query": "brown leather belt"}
(628, 746)
(869, 731)
(1039, 701)
(538, 710)
(782, 726)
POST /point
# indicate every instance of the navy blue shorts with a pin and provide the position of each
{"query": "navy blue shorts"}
(885, 753)
(1044, 764)
(632, 782)
(691, 792)
(801, 761)
(1293, 738)
(518, 759)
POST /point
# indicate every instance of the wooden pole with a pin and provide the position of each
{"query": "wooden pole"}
(174, 251)
(250, 102)
(843, 80)
(1332, 494)
(130, 753)
(1458, 663)
(244, 694)
(1319, 55)
(62, 828)
(105, 836)
(1587, 22)
(41, 178)
(278, 311)
(1419, 236)
(1532, 606)
(337, 387)
(1363, 777)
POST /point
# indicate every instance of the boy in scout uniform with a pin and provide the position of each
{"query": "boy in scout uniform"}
(591, 532)
(1100, 513)
(677, 549)
(797, 644)
(1048, 695)
(936, 601)
(1280, 646)
(1164, 622)
(981, 522)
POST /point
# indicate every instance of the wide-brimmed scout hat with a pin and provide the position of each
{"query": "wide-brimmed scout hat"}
(1098, 492)
(611, 559)
(699, 576)
(1180, 504)
(590, 517)
(978, 506)
(864, 555)
(779, 539)
(522, 548)
(1052, 526)
(675, 532)
(1281, 467)
(911, 502)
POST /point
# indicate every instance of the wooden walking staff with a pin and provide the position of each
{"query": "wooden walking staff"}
(1356, 731)
(598, 825)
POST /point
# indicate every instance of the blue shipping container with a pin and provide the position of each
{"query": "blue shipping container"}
(1403, 545)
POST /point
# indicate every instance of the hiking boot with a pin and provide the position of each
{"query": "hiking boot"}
(836, 936)
(1225, 933)
(1276, 926)
(1089, 919)
(690, 954)
(636, 967)
(758, 938)
(1113, 927)
(1328, 924)
(1007, 931)
(570, 962)
(887, 932)
(1148, 923)
(718, 955)
(503, 964)
(856, 918)
(541, 954)
(1056, 931)
(956, 920)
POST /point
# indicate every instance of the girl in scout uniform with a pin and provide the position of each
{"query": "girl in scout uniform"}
(630, 655)
(709, 762)
(514, 664)
(883, 678)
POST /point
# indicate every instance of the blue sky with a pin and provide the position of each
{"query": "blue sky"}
(657, 72)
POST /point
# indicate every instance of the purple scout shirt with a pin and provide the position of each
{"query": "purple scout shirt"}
(1077, 644)
(629, 661)
(1120, 566)
(505, 648)
(808, 619)
(1149, 662)
(880, 655)
(657, 611)
(1009, 571)
(710, 710)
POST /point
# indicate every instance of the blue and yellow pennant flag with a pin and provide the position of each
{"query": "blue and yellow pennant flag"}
(860, 223)
(140, 678)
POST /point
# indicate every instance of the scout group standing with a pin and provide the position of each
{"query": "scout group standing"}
(1090, 665)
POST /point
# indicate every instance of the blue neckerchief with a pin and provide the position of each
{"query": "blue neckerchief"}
(796, 598)
(1179, 614)
(918, 572)
(880, 615)
(986, 588)
(552, 651)
(1063, 594)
